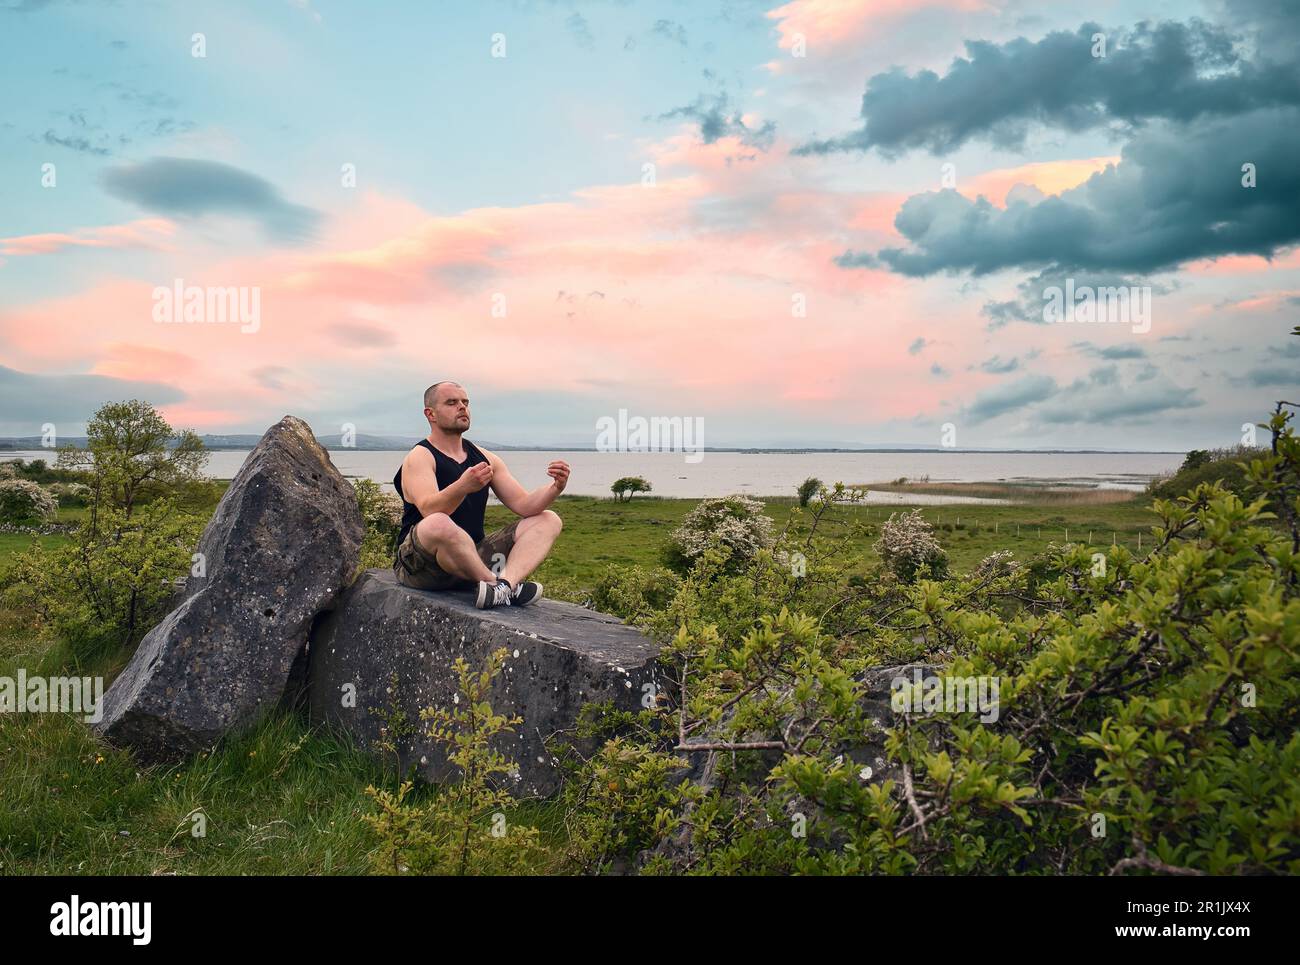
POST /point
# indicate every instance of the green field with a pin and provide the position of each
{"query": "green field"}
(599, 533)
(284, 799)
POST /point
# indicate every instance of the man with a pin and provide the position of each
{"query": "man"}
(443, 485)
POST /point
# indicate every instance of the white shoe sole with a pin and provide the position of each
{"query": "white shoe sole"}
(485, 592)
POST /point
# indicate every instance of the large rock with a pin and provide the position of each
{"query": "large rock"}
(560, 656)
(282, 544)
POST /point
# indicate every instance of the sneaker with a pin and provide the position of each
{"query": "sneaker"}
(528, 591)
(493, 594)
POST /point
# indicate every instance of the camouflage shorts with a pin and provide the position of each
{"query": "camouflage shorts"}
(418, 568)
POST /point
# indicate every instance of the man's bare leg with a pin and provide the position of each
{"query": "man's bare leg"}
(534, 538)
(436, 533)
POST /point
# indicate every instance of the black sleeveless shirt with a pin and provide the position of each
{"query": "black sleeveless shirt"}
(469, 514)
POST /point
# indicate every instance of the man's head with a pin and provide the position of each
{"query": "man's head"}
(446, 406)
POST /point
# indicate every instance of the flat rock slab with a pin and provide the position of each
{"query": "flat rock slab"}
(283, 542)
(559, 657)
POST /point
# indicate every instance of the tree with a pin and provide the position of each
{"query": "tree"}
(808, 489)
(1195, 460)
(127, 454)
(625, 488)
(104, 588)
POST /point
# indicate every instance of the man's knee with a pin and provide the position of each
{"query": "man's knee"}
(547, 521)
(435, 529)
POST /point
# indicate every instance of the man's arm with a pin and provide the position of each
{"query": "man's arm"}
(420, 483)
(519, 500)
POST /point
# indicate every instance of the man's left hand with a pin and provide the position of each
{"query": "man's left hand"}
(559, 472)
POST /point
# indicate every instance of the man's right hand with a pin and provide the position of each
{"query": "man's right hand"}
(476, 477)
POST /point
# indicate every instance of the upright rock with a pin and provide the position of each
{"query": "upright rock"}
(386, 648)
(281, 546)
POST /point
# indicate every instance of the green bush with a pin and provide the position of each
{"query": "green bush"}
(1148, 710)
(634, 592)
(382, 514)
(110, 584)
(1224, 466)
(809, 488)
(464, 828)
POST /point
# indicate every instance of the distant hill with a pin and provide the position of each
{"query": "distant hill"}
(247, 441)
(374, 443)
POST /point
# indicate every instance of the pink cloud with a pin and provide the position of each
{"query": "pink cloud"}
(826, 26)
(686, 293)
(1245, 264)
(144, 233)
(1049, 177)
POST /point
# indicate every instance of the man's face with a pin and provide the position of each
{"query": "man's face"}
(450, 411)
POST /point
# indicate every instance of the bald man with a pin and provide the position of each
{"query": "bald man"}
(443, 483)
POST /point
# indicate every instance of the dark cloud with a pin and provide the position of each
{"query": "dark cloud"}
(717, 120)
(1271, 26)
(858, 259)
(916, 346)
(938, 371)
(1111, 352)
(1175, 71)
(670, 30)
(24, 6)
(580, 31)
(1030, 298)
(271, 377)
(999, 366)
(1175, 196)
(1010, 397)
(166, 126)
(181, 187)
(1104, 397)
(28, 401)
(1270, 375)
(362, 335)
(77, 143)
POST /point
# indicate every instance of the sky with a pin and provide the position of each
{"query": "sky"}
(814, 223)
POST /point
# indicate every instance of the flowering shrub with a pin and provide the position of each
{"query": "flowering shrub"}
(71, 493)
(733, 523)
(908, 548)
(22, 500)
(1000, 563)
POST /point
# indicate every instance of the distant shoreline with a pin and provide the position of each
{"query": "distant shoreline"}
(742, 450)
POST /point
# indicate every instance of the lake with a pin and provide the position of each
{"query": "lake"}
(771, 473)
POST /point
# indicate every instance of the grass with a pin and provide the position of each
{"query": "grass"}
(282, 798)
(599, 533)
